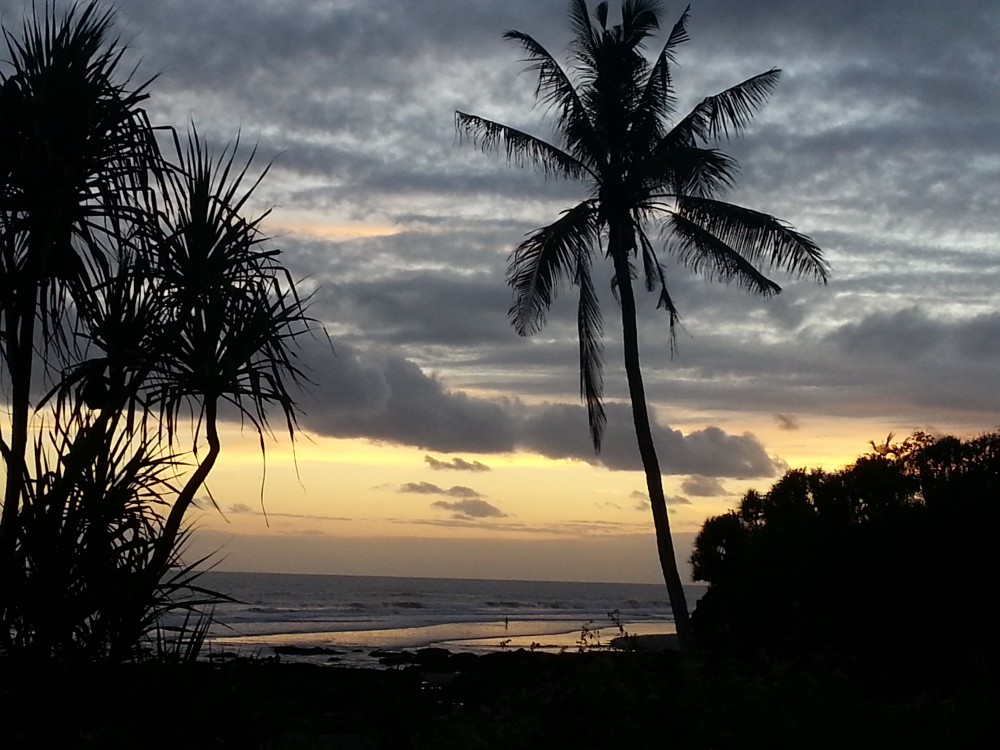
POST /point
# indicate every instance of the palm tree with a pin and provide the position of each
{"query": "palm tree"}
(643, 170)
(231, 312)
(145, 296)
(76, 159)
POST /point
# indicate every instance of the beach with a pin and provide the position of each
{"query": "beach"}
(341, 620)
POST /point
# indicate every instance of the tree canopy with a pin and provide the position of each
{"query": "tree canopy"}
(869, 562)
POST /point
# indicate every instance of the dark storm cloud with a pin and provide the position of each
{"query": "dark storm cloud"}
(470, 509)
(382, 396)
(456, 464)
(560, 431)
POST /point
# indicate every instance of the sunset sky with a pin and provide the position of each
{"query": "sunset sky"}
(435, 440)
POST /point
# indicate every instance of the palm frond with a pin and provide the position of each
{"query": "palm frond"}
(655, 277)
(519, 148)
(590, 329)
(548, 256)
(710, 256)
(601, 14)
(658, 100)
(640, 18)
(555, 91)
(728, 113)
(760, 238)
(584, 38)
(674, 169)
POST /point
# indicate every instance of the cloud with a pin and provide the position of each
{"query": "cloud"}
(560, 431)
(379, 395)
(787, 422)
(700, 486)
(456, 464)
(641, 501)
(876, 142)
(427, 488)
(242, 509)
(470, 509)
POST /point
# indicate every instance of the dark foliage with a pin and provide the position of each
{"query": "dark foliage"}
(137, 291)
(886, 566)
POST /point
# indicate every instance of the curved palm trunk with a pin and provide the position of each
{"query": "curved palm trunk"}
(172, 528)
(644, 436)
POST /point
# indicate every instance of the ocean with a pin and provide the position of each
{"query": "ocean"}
(344, 618)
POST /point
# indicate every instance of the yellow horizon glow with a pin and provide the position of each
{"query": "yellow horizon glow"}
(327, 231)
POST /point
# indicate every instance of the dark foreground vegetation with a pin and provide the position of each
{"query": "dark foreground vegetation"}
(887, 567)
(505, 701)
(137, 302)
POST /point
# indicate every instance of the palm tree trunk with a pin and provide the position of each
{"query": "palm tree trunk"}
(171, 529)
(644, 436)
(18, 345)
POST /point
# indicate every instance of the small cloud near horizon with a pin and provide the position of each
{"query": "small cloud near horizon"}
(456, 464)
(700, 486)
(429, 488)
(242, 509)
(472, 508)
(787, 422)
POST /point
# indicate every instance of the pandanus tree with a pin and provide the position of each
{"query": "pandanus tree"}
(136, 299)
(655, 185)
(77, 155)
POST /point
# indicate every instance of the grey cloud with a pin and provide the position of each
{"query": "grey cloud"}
(385, 397)
(700, 486)
(641, 501)
(456, 464)
(879, 142)
(787, 422)
(899, 336)
(470, 509)
(428, 488)
(560, 431)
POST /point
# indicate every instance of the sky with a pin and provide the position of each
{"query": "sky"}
(435, 441)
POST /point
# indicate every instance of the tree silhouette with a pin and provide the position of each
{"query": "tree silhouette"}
(614, 111)
(844, 564)
(133, 287)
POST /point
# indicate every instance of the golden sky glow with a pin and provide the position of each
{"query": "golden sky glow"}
(351, 489)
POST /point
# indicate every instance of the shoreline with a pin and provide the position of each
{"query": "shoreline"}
(355, 647)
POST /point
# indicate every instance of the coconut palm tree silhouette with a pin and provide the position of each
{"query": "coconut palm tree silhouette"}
(644, 170)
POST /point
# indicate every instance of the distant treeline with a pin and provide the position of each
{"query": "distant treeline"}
(888, 565)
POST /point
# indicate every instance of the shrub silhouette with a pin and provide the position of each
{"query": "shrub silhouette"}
(885, 564)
